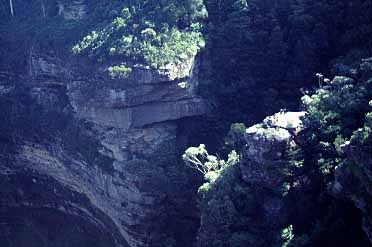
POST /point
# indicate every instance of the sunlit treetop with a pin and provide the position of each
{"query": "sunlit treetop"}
(152, 33)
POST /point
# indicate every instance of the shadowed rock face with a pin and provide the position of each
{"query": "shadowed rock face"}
(82, 159)
(265, 162)
(72, 10)
(267, 144)
(37, 211)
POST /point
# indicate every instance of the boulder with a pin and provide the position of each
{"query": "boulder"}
(266, 147)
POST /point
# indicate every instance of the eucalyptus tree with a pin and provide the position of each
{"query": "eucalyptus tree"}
(11, 7)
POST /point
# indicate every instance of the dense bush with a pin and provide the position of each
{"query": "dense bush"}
(151, 32)
(335, 111)
(338, 113)
(263, 52)
(147, 32)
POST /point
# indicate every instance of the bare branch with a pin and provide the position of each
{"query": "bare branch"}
(11, 7)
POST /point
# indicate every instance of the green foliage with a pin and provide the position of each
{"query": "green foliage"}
(289, 239)
(287, 235)
(262, 52)
(171, 46)
(224, 201)
(209, 165)
(148, 32)
(338, 113)
(362, 136)
(127, 32)
(334, 113)
(119, 71)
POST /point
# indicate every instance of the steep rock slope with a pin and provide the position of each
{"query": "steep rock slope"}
(90, 161)
(92, 138)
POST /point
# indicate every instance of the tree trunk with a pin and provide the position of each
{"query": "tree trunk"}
(11, 7)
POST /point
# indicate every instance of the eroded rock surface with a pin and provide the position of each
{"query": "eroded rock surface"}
(267, 145)
(72, 10)
(96, 153)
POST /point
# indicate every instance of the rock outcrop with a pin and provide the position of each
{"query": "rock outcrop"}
(248, 204)
(267, 144)
(73, 10)
(95, 153)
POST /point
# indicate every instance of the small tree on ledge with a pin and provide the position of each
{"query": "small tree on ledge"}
(199, 159)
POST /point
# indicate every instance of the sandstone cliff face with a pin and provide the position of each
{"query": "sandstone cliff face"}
(72, 10)
(96, 154)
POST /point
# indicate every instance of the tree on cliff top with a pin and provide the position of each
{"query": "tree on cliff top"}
(152, 33)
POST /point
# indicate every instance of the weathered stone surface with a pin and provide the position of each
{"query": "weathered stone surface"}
(366, 69)
(45, 66)
(265, 162)
(72, 10)
(266, 145)
(103, 141)
(147, 97)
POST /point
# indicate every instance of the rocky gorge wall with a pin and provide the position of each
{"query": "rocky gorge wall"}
(89, 161)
